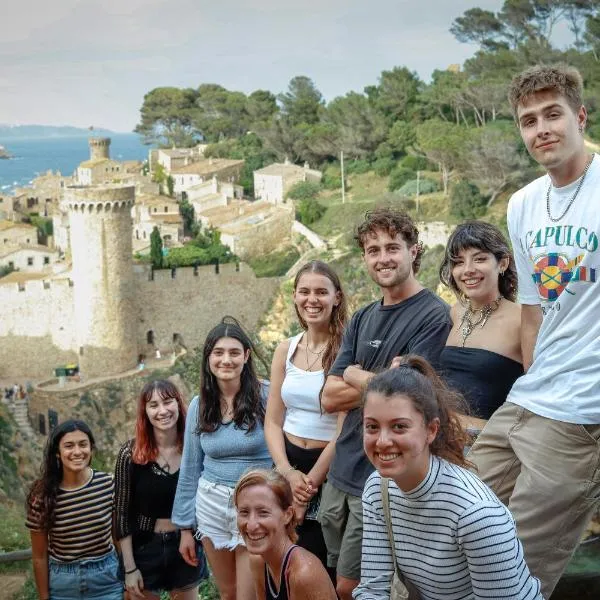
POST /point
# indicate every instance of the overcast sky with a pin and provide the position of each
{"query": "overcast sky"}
(90, 62)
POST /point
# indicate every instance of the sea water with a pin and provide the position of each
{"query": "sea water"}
(35, 156)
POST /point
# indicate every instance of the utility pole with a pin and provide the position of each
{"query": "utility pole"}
(343, 182)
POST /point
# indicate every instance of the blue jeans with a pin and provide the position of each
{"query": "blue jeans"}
(86, 579)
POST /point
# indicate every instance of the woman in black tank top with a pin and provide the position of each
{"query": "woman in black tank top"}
(482, 358)
(266, 521)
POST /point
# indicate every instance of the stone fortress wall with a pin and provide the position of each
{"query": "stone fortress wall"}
(38, 330)
(190, 301)
(36, 327)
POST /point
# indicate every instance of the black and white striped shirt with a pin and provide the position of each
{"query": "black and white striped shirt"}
(454, 540)
(83, 523)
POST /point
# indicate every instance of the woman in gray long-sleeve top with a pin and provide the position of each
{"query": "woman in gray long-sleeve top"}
(223, 439)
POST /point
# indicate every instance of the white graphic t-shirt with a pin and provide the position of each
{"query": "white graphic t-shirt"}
(558, 266)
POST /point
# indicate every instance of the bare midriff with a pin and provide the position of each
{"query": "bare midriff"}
(305, 443)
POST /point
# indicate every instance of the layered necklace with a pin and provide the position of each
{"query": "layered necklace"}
(472, 318)
(579, 186)
(317, 355)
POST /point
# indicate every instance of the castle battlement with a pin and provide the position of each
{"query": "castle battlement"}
(193, 274)
(98, 198)
(99, 147)
(33, 288)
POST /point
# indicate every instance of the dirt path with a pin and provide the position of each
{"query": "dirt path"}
(11, 584)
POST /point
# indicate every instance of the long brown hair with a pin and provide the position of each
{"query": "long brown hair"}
(339, 314)
(41, 499)
(416, 379)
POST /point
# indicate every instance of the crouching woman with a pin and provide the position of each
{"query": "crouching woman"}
(267, 522)
(451, 536)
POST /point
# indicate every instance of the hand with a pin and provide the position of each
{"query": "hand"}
(348, 371)
(187, 548)
(300, 511)
(396, 362)
(301, 485)
(135, 584)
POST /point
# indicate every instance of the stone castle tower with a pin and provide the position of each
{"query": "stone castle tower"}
(103, 292)
(99, 148)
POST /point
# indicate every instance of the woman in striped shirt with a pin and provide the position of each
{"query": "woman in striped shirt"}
(69, 514)
(453, 538)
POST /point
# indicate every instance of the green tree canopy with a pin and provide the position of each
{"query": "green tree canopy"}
(166, 117)
(156, 246)
(302, 103)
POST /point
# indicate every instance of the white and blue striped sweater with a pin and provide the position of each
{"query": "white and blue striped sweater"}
(454, 540)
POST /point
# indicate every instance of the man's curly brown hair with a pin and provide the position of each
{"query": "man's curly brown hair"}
(393, 222)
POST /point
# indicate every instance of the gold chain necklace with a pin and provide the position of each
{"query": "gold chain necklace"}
(471, 318)
(317, 354)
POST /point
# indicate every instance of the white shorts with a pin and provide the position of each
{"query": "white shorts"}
(216, 517)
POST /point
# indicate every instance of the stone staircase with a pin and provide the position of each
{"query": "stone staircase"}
(20, 412)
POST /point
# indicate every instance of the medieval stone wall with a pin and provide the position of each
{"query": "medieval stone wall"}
(189, 302)
(36, 328)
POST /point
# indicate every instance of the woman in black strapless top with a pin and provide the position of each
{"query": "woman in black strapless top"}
(482, 357)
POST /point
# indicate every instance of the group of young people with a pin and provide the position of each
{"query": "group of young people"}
(348, 472)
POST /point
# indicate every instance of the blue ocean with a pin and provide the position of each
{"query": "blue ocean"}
(32, 157)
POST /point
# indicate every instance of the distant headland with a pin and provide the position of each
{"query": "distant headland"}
(47, 131)
(4, 153)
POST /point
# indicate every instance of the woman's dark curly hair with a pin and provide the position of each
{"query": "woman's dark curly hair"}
(248, 404)
(44, 490)
(487, 238)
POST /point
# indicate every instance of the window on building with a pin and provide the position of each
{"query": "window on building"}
(11, 264)
(46, 260)
(166, 209)
(30, 261)
(144, 234)
(28, 241)
(150, 337)
(155, 209)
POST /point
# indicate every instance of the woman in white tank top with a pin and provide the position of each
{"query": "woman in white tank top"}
(300, 436)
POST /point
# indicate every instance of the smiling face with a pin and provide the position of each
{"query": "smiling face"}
(388, 259)
(75, 451)
(315, 297)
(476, 273)
(261, 520)
(162, 413)
(227, 358)
(550, 129)
(396, 438)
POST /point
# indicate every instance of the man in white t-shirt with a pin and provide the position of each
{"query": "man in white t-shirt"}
(540, 452)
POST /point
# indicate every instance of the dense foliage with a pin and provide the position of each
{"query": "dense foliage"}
(460, 123)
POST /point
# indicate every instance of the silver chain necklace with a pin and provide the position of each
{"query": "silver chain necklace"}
(556, 219)
(471, 318)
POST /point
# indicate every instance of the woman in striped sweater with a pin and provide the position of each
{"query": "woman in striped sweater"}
(69, 514)
(453, 538)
